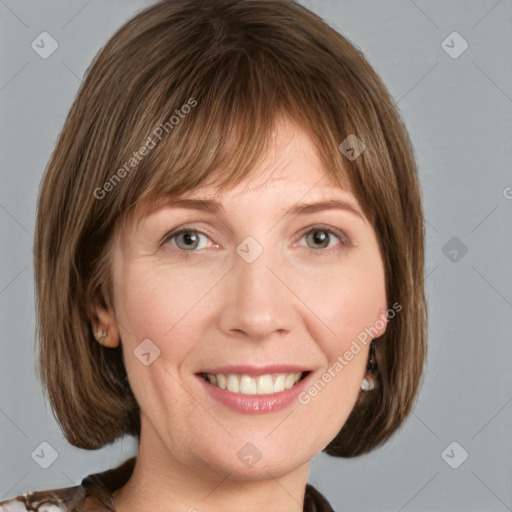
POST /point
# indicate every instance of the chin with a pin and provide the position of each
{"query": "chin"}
(254, 456)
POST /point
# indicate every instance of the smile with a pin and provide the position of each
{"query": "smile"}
(266, 384)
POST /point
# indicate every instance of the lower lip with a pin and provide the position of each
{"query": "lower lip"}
(256, 404)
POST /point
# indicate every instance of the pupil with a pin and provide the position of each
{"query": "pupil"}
(319, 237)
(189, 238)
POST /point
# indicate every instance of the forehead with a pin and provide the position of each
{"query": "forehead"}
(289, 170)
(290, 162)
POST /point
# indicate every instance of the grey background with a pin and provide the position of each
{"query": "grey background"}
(459, 114)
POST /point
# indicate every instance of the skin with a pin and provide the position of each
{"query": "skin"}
(296, 303)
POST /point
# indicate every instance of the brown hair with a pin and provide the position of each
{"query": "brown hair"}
(238, 65)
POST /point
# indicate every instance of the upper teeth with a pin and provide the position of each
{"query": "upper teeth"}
(261, 385)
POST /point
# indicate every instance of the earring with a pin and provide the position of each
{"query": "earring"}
(101, 335)
(368, 382)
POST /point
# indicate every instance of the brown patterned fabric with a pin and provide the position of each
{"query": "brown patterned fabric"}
(95, 494)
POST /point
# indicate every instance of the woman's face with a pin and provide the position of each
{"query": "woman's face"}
(257, 289)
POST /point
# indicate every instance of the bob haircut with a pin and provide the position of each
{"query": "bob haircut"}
(200, 85)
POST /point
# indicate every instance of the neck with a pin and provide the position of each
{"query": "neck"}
(160, 482)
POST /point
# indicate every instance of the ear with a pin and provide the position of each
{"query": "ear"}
(381, 320)
(104, 326)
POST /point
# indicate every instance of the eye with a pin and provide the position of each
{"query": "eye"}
(320, 238)
(186, 239)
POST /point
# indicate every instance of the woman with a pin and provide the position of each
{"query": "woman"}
(229, 261)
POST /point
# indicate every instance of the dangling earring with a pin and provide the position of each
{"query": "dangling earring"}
(368, 382)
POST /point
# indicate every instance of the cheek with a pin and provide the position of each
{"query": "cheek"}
(162, 304)
(155, 300)
(348, 305)
(347, 301)
(157, 303)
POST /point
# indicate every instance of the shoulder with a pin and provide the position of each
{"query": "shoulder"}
(93, 494)
(67, 499)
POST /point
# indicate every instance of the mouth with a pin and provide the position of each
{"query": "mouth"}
(266, 384)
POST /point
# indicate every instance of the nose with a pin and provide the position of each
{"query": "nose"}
(258, 303)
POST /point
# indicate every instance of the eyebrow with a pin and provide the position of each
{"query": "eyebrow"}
(213, 206)
(331, 204)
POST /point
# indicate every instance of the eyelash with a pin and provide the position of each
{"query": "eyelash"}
(344, 241)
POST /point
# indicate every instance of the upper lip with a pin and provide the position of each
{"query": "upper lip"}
(251, 370)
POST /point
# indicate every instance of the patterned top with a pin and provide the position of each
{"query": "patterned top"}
(95, 494)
